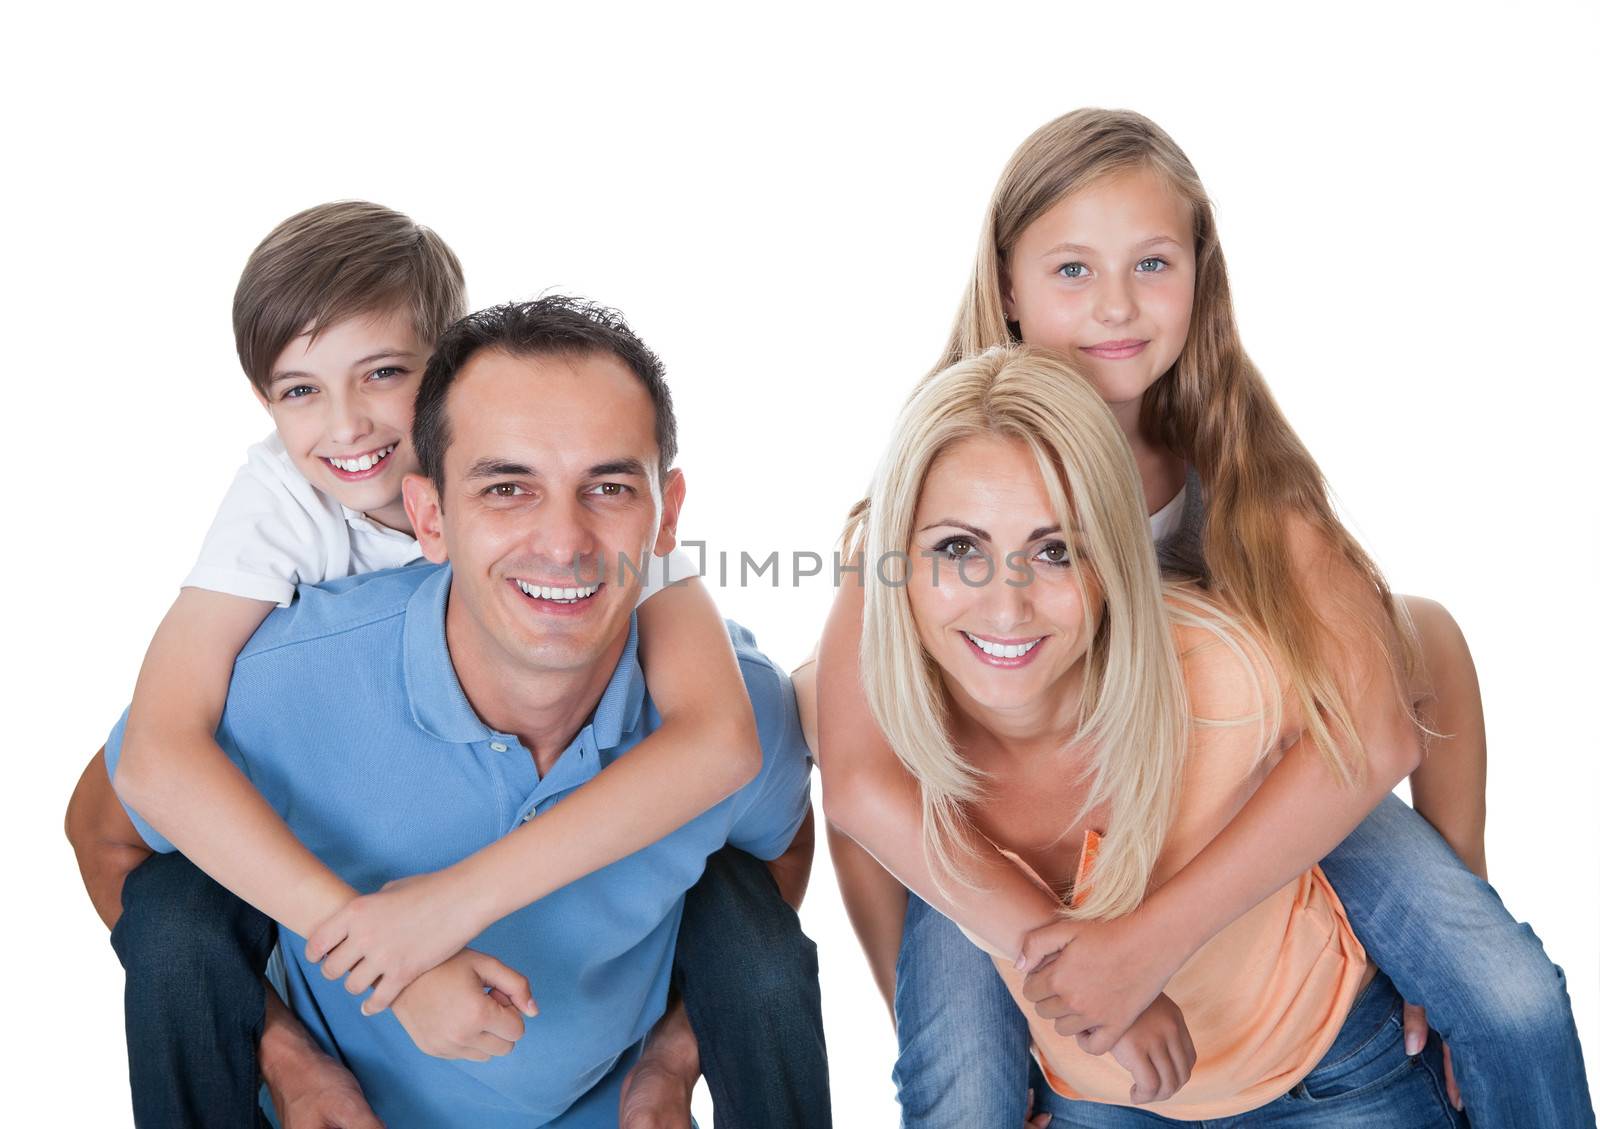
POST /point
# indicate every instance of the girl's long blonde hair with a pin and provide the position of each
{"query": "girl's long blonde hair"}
(1212, 409)
(1133, 713)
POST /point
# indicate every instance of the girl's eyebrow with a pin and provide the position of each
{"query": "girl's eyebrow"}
(983, 534)
(1080, 249)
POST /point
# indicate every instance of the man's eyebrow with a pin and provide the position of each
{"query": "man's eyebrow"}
(618, 466)
(1080, 249)
(500, 468)
(380, 355)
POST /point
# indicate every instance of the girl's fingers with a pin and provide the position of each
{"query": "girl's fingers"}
(1146, 1080)
(1416, 1028)
(383, 995)
(336, 964)
(1044, 942)
(1161, 1059)
(1053, 1007)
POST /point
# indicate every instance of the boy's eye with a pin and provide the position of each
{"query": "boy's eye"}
(1056, 553)
(387, 371)
(1072, 270)
(1151, 265)
(297, 392)
(956, 547)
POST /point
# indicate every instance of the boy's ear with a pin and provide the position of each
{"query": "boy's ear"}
(671, 505)
(427, 515)
(261, 397)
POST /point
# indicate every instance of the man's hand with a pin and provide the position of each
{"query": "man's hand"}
(1095, 978)
(1416, 1029)
(309, 1090)
(448, 1015)
(657, 1091)
(1157, 1051)
(386, 940)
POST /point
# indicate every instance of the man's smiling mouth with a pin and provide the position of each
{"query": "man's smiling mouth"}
(557, 595)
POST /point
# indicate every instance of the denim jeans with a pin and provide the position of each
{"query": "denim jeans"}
(194, 1002)
(1440, 933)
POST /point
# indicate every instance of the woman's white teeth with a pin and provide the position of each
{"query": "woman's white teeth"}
(1002, 650)
(365, 462)
(559, 595)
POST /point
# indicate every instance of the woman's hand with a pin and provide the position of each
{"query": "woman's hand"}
(1095, 978)
(1157, 1051)
(468, 1007)
(1416, 1027)
(386, 940)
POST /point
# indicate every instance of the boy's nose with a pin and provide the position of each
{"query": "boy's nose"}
(347, 422)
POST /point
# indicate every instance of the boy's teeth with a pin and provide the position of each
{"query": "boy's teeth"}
(365, 462)
(1001, 650)
(557, 595)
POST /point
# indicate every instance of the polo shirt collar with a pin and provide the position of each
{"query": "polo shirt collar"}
(439, 705)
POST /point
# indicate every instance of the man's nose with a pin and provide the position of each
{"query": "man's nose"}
(562, 535)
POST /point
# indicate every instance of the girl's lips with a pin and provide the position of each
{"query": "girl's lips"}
(1114, 350)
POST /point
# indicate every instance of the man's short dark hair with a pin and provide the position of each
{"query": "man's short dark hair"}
(555, 325)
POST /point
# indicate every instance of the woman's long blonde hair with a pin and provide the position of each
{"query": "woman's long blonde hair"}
(1213, 410)
(1133, 713)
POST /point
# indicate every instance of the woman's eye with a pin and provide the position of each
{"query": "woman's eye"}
(1151, 265)
(956, 547)
(1055, 553)
(1072, 270)
(298, 391)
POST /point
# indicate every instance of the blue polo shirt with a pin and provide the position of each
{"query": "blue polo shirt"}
(344, 710)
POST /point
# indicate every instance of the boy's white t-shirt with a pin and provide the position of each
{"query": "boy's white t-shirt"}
(275, 530)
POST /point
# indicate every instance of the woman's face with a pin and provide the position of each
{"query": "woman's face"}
(993, 587)
(1106, 278)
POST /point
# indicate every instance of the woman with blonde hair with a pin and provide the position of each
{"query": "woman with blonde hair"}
(1100, 245)
(1051, 697)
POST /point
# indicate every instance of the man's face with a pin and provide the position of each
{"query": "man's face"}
(551, 480)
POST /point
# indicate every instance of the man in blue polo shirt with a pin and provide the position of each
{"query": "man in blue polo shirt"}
(402, 720)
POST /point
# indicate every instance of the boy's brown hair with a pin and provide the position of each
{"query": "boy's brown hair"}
(332, 262)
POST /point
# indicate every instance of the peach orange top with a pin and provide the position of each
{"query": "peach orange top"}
(1263, 999)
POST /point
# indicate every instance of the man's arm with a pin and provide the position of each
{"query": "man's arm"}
(792, 869)
(108, 846)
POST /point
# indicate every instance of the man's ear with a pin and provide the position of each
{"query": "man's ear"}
(671, 505)
(426, 512)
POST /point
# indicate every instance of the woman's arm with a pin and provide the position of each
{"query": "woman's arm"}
(869, 796)
(173, 773)
(1108, 972)
(705, 749)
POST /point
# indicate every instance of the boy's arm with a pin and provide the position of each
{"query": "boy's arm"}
(705, 749)
(172, 772)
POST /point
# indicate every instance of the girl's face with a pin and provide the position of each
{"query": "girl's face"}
(992, 586)
(1106, 278)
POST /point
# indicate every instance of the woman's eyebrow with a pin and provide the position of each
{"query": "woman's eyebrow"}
(981, 534)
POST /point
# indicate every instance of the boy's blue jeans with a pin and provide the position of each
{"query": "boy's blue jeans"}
(194, 1002)
(1439, 932)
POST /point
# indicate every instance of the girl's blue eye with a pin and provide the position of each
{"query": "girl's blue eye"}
(1072, 270)
(298, 391)
(1151, 265)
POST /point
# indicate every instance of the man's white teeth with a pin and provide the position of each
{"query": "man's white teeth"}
(558, 595)
(1002, 650)
(365, 462)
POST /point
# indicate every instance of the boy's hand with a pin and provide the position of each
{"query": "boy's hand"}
(448, 1014)
(1157, 1051)
(386, 940)
(1095, 978)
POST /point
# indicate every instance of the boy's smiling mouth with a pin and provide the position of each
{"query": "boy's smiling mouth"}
(360, 466)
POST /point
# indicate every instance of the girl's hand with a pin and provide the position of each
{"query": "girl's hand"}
(1035, 1120)
(1095, 978)
(1416, 1026)
(386, 940)
(448, 1014)
(1157, 1051)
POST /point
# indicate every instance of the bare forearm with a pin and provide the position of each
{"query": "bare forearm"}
(792, 869)
(210, 811)
(876, 905)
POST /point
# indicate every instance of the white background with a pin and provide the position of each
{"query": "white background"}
(787, 208)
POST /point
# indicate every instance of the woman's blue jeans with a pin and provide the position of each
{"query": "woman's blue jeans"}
(1439, 932)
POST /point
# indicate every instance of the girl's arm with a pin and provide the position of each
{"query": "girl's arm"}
(868, 795)
(173, 773)
(705, 749)
(1108, 972)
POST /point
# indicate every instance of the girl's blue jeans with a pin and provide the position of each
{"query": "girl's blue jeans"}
(1438, 932)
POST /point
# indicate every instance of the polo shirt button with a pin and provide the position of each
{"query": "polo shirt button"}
(498, 746)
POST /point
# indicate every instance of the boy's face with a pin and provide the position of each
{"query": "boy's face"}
(342, 406)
